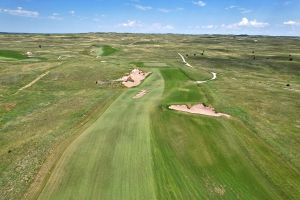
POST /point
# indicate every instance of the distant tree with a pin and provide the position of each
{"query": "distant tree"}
(254, 57)
(187, 55)
(195, 54)
(40, 46)
(291, 59)
(288, 85)
(253, 52)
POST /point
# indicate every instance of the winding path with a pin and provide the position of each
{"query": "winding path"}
(184, 61)
(34, 81)
(198, 82)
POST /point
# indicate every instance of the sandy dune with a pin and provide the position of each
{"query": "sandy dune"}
(135, 78)
(198, 109)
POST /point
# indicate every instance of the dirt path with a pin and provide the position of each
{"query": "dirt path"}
(34, 81)
(189, 65)
(184, 61)
(213, 78)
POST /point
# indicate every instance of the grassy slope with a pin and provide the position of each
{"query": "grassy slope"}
(108, 50)
(112, 159)
(202, 157)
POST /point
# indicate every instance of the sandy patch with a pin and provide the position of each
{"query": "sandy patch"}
(34, 81)
(135, 78)
(198, 109)
(9, 106)
(140, 94)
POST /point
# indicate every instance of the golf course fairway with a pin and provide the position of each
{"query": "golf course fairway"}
(112, 158)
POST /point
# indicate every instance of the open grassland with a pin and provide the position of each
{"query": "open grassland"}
(66, 137)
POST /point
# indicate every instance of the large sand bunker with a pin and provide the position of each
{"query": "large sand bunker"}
(135, 78)
(198, 109)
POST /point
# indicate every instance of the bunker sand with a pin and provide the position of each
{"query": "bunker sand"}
(134, 79)
(140, 94)
(198, 109)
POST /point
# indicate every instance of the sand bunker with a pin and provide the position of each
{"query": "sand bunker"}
(140, 94)
(198, 109)
(135, 78)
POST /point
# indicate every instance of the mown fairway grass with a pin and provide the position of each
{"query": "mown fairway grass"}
(212, 158)
(104, 50)
(9, 54)
(112, 158)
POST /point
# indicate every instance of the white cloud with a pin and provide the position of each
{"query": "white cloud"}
(200, 3)
(143, 8)
(244, 10)
(240, 9)
(158, 26)
(131, 24)
(164, 10)
(138, 26)
(20, 12)
(55, 16)
(231, 7)
(72, 12)
(291, 23)
(209, 26)
(245, 22)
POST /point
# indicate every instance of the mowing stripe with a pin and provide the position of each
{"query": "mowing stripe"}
(112, 159)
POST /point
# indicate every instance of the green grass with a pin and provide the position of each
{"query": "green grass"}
(9, 54)
(104, 50)
(108, 50)
(99, 143)
(118, 153)
(212, 158)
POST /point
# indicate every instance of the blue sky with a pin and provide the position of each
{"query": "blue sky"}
(266, 17)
